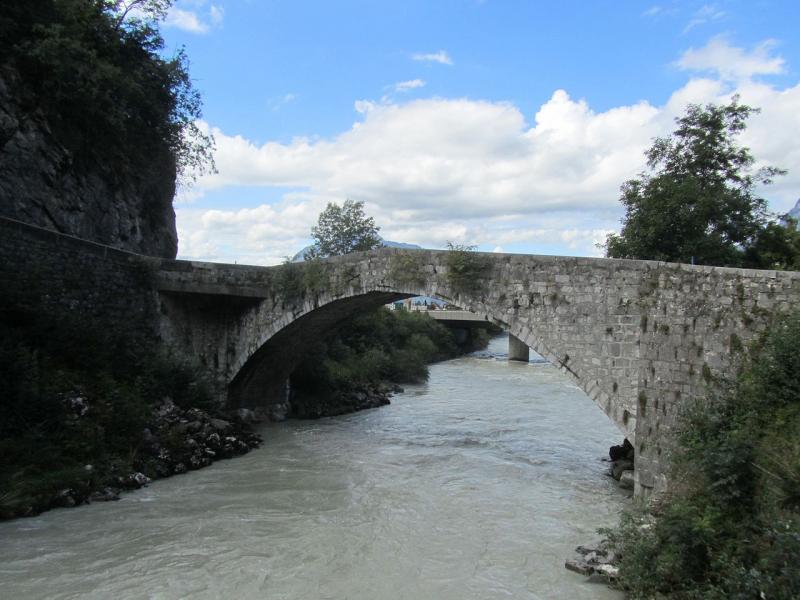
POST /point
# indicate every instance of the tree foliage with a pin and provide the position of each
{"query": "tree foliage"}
(776, 246)
(698, 201)
(94, 69)
(344, 229)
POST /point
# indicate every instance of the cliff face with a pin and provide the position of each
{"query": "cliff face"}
(41, 184)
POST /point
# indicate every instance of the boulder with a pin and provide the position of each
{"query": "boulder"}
(626, 480)
(107, 494)
(220, 424)
(579, 566)
(623, 451)
(618, 466)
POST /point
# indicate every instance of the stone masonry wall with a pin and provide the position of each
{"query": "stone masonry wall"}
(45, 272)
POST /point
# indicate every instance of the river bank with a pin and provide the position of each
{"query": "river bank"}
(176, 440)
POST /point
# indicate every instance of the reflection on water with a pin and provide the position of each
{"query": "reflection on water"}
(476, 485)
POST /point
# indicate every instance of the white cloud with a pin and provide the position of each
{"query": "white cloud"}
(185, 20)
(216, 14)
(279, 102)
(731, 62)
(440, 57)
(705, 14)
(189, 18)
(266, 234)
(405, 86)
(474, 172)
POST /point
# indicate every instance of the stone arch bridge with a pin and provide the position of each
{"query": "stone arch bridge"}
(640, 338)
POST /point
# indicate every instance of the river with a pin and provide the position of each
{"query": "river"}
(476, 485)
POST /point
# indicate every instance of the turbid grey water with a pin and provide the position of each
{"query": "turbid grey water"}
(476, 485)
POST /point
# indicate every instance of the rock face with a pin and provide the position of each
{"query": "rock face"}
(41, 184)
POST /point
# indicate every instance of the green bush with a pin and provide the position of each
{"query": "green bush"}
(466, 269)
(380, 346)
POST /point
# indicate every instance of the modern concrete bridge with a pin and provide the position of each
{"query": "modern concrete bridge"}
(640, 338)
(517, 349)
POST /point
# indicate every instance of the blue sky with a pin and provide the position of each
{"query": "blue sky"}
(509, 125)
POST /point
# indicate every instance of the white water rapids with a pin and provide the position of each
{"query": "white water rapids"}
(476, 485)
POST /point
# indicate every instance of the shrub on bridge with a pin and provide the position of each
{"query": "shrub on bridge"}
(295, 280)
(730, 527)
(466, 269)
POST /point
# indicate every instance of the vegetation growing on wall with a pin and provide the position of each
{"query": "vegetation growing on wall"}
(406, 268)
(465, 268)
(730, 526)
(95, 71)
(295, 280)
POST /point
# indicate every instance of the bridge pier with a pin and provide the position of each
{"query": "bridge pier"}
(517, 349)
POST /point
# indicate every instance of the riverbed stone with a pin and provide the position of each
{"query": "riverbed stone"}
(618, 466)
(626, 479)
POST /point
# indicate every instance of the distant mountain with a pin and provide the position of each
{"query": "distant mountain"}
(795, 212)
(301, 256)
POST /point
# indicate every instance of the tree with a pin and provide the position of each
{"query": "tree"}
(777, 246)
(343, 229)
(698, 201)
(155, 10)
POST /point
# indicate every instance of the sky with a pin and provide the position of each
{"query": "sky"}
(508, 125)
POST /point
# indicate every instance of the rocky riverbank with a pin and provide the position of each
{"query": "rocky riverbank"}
(622, 464)
(359, 397)
(597, 560)
(176, 440)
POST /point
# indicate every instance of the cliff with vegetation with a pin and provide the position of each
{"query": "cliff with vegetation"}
(42, 183)
(95, 124)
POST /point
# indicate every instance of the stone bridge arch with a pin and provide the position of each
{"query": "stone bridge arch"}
(639, 337)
